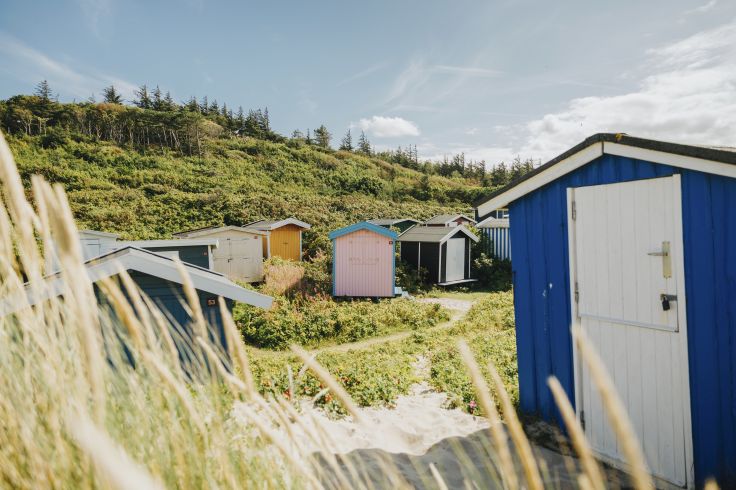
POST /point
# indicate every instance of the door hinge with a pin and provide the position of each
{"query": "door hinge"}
(582, 419)
(574, 210)
(577, 293)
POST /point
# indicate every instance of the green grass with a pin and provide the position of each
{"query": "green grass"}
(159, 192)
(377, 374)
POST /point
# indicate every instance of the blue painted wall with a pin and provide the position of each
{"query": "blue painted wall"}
(542, 307)
(168, 296)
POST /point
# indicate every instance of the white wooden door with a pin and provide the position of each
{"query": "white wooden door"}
(455, 268)
(618, 233)
(246, 263)
(221, 257)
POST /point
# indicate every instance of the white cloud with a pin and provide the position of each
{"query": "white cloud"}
(388, 127)
(32, 66)
(703, 8)
(689, 96)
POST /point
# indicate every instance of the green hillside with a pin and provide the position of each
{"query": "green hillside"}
(151, 190)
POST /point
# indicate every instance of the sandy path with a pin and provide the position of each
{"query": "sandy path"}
(458, 308)
(416, 432)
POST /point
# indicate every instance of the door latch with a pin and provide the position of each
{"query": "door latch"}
(665, 299)
(666, 259)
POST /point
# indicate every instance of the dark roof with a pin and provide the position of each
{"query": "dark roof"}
(434, 234)
(721, 154)
(441, 219)
(391, 221)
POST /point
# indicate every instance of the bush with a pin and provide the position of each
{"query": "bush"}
(315, 322)
(493, 273)
(489, 330)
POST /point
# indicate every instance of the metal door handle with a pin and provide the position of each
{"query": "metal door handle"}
(666, 259)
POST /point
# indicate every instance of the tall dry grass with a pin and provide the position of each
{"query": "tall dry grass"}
(94, 393)
(281, 276)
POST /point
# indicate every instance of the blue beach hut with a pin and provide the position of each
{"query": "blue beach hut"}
(634, 240)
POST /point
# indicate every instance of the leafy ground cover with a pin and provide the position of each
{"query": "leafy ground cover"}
(378, 373)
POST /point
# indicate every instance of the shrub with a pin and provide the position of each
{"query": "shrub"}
(493, 273)
(315, 322)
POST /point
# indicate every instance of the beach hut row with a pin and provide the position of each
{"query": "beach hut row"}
(364, 254)
(630, 241)
(237, 252)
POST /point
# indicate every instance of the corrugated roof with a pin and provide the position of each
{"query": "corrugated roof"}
(434, 234)
(269, 225)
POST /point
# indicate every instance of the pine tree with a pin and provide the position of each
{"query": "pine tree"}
(214, 107)
(192, 105)
(143, 99)
(322, 136)
(297, 135)
(266, 121)
(364, 146)
(204, 107)
(169, 104)
(309, 137)
(111, 96)
(157, 103)
(43, 90)
(347, 142)
(240, 118)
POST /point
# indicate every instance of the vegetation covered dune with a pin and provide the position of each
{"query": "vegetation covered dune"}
(95, 396)
(157, 167)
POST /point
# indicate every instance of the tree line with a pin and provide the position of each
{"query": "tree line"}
(154, 118)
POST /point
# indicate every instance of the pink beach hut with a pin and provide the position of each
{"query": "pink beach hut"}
(363, 261)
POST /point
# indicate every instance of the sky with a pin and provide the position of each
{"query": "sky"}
(494, 79)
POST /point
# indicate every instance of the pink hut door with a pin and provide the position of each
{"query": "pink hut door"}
(364, 265)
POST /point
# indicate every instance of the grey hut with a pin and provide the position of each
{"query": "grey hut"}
(449, 220)
(442, 250)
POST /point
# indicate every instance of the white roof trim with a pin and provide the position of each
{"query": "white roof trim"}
(218, 229)
(680, 161)
(492, 222)
(146, 262)
(179, 242)
(279, 224)
(595, 150)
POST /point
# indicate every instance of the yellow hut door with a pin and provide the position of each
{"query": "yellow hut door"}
(286, 242)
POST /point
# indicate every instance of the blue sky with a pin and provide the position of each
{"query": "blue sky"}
(491, 78)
